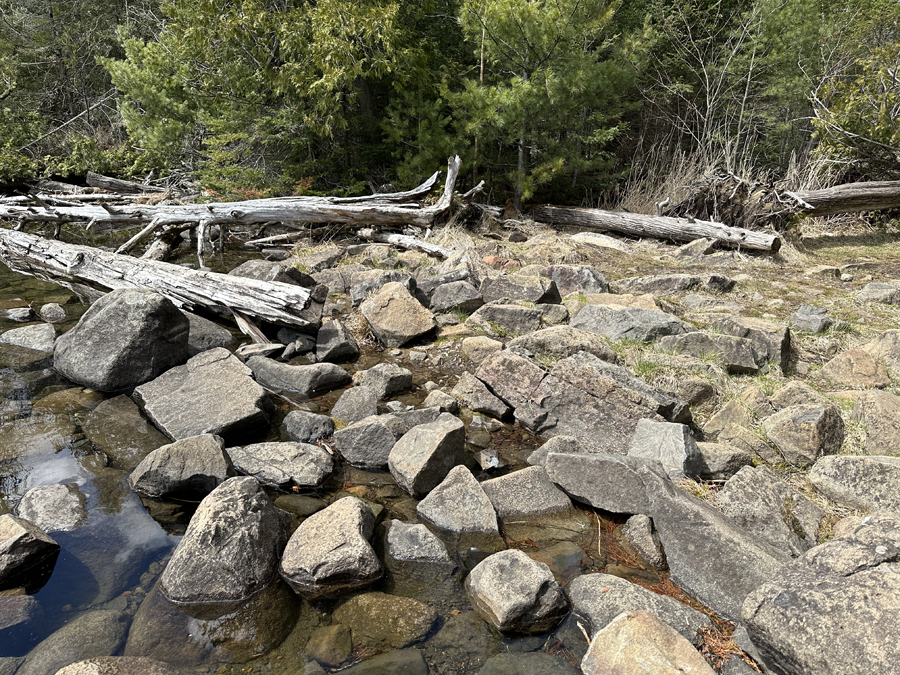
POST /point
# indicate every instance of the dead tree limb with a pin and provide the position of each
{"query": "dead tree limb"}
(660, 227)
(61, 263)
(405, 241)
(117, 185)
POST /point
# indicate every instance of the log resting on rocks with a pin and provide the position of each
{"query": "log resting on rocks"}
(663, 227)
(74, 264)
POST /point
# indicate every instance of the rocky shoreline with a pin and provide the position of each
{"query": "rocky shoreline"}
(728, 458)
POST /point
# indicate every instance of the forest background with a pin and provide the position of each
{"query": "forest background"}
(563, 101)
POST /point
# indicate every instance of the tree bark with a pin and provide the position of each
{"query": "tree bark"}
(850, 197)
(116, 185)
(274, 302)
(660, 227)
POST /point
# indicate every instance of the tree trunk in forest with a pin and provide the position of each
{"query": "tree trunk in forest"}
(274, 302)
(661, 227)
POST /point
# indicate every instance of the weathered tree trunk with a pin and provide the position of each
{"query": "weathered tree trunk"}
(661, 227)
(116, 185)
(405, 241)
(850, 197)
(58, 262)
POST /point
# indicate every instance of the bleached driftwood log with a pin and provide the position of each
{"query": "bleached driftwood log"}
(405, 241)
(117, 185)
(55, 261)
(660, 227)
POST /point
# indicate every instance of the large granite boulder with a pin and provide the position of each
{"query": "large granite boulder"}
(505, 321)
(886, 348)
(60, 507)
(363, 284)
(424, 455)
(119, 665)
(459, 504)
(880, 413)
(204, 334)
(395, 316)
(228, 553)
(368, 442)
(855, 368)
(284, 464)
(804, 433)
(312, 379)
(330, 554)
(354, 404)
(213, 393)
(384, 379)
(833, 609)
(770, 340)
(527, 492)
(659, 284)
(27, 554)
(865, 483)
(514, 593)
(190, 468)
(126, 338)
(410, 543)
(477, 398)
(307, 427)
(634, 323)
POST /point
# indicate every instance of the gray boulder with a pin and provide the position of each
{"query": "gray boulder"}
(855, 368)
(736, 354)
(378, 620)
(384, 379)
(887, 294)
(424, 455)
(459, 504)
(719, 461)
(527, 492)
(660, 284)
(40, 337)
(477, 398)
(559, 342)
(368, 442)
(796, 393)
(865, 483)
(204, 334)
(886, 348)
(514, 593)
(192, 467)
(686, 525)
(640, 533)
(600, 598)
(456, 296)
(284, 464)
(414, 543)
(330, 552)
(213, 393)
(561, 444)
(312, 379)
(608, 482)
(307, 427)
(442, 400)
(209, 574)
(52, 311)
(395, 316)
(880, 413)
(771, 341)
(27, 554)
(126, 338)
(509, 288)
(672, 445)
(316, 262)
(576, 279)
(21, 617)
(805, 433)
(758, 501)
(335, 343)
(833, 609)
(354, 404)
(811, 319)
(502, 321)
(634, 323)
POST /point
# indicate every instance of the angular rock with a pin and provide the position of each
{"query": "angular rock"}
(638, 531)
(378, 620)
(510, 288)
(719, 461)
(395, 316)
(576, 279)
(502, 321)
(737, 354)
(886, 348)
(442, 400)
(832, 610)
(732, 413)
(476, 397)
(456, 296)
(634, 323)
(307, 427)
(662, 284)
(316, 262)
(312, 379)
(552, 315)
(797, 393)
(228, 553)
(424, 455)
(600, 598)
(27, 554)
(769, 339)
(330, 552)
(805, 433)
(368, 443)
(880, 413)
(638, 642)
(204, 334)
(479, 347)
(117, 428)
(459, 504)
(527, 492)
(511, 377)
(385, 379)
(363, 284)
(608, 482)
(335, 343)
(758, 501)
(40, 337)
(265, 270)
(562, 444)
(354, 404)
(514, 593)
(855, 368)
(672, 445)
(719, 283)
(686, 525)
(284, 464)
(559, 342)
(414, 543)
(811, 319)
(865, 483)
(190, 468)
(56, 508)
(213, 393)
(126, 338)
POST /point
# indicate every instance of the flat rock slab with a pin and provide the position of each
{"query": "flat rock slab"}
(459, 504)
(834, 609)
(855, 368)
(384, 379)
(600, 598)
(378, 620)
(559, 342)
(689, 529)
(806, 432)
(282, 464)
(634, 323)
(54, 508)
(330, 554)
(638, 642)
(424, 455)
(757, 500)
(456, 296)
(736, 354)
(505, 321)
(395, 316)
(672, 445)
(40, 337)
(867, 483)
(213, 393)
(312, 379)
(117, 428)
(660, 284)
(527, 492)
(514, 593)
(192, 467)
(887, 294)
(210, 574)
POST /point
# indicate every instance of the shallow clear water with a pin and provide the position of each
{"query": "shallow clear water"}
(49, 434)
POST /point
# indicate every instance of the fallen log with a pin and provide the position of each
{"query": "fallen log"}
(848, 198)
(117, 185)
(55, 261)
(405, 241)
(660, 227)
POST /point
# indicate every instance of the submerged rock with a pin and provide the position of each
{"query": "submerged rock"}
(27, 554)
(378, 620)
(99, 633)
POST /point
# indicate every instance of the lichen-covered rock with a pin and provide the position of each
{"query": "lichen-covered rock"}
(395, 316)
(282, 464)
(459, 504)
(805, 433)
(855, 368)
(424, 455)
(867, 483)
